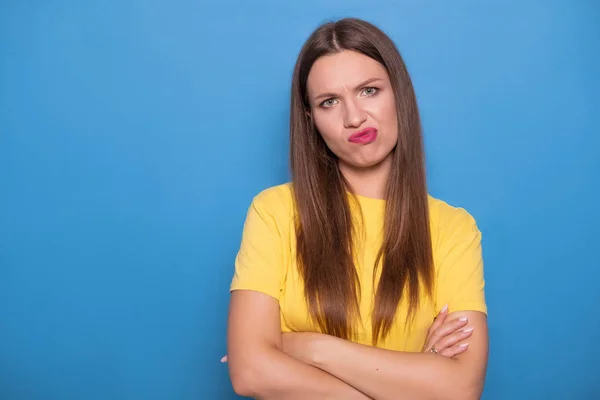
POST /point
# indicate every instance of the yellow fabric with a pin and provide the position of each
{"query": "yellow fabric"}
(266, 262)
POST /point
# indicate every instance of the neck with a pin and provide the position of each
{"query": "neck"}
(371, 181)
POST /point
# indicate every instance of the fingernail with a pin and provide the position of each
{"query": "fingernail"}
(468, 330)
(444, 309)
(463, 319)
(463, 345)
(223, 359)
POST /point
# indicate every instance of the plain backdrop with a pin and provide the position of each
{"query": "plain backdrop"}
(134, 134)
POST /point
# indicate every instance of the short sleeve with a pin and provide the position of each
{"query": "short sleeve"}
(258, 264)
(460, 278)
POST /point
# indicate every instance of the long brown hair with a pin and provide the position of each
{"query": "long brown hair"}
(325, 229)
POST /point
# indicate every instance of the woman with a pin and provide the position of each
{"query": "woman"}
(342, 272)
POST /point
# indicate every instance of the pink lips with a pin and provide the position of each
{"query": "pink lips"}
(365, 136)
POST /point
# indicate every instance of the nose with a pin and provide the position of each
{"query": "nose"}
(354, 115)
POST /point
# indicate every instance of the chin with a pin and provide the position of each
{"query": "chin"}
(373, 160)
(365, 163)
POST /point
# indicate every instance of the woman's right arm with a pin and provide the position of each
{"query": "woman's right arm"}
(257, 366)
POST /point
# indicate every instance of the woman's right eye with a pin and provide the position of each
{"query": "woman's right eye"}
(328, 103)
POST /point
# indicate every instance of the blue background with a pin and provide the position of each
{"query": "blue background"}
(134, 134)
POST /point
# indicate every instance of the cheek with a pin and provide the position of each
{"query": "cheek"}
(388, 118)
(388, 110)
(328, 126)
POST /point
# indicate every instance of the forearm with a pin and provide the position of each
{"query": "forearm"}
(384, 374)
(273, 374)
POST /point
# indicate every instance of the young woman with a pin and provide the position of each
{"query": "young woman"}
(342, 272)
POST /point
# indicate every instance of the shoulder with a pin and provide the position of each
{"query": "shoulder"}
(274, 206)
(275, 199)
(450, 223)
(275, 195)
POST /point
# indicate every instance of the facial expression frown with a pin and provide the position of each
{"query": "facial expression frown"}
(352, 105)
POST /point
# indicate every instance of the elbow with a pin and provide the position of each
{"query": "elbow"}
(470, 394)
(474, 387)
(247, 379)
(452, 386)
(245, 382)
(462, 383)
(474, 392)
(467, 391)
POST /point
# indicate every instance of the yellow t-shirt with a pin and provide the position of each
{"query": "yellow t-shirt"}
(266, 262)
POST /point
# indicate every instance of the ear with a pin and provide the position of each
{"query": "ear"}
(308, 114)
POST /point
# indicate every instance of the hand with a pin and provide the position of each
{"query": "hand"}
(445, 336)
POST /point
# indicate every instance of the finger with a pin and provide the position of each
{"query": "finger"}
(454, 350)
(454, 338)
(224, 359)
(448, 328)
(439, 320)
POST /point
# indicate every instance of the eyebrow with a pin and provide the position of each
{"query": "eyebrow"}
(364, 83)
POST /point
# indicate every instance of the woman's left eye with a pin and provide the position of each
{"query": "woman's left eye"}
(369, 91)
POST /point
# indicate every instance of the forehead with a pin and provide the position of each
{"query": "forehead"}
(344, 70)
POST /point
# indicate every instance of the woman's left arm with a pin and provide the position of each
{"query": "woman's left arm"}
(385, 374)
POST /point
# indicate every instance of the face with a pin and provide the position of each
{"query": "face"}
(352, 105)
